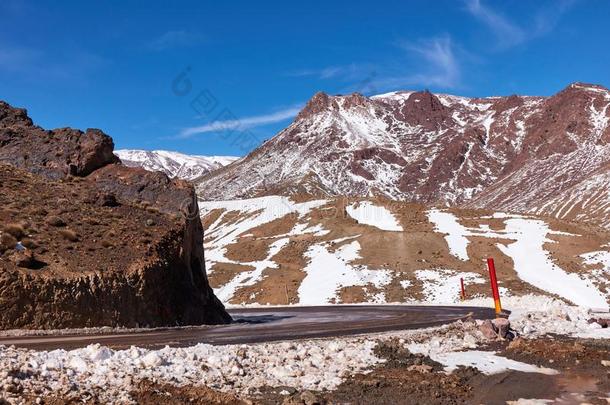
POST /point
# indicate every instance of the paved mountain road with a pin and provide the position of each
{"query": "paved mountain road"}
(253, 325)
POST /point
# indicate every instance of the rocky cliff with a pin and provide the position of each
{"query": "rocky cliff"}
(86, 241)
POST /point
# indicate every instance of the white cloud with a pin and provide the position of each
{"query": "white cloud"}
(347, 72)
(241, 124)
(509, 33)
(439, 66)
(175, 39)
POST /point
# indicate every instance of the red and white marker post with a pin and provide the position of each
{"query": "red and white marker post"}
(494, 285)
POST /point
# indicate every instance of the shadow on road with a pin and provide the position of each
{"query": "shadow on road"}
(258, 319)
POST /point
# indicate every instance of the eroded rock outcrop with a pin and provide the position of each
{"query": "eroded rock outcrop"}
(88, 242)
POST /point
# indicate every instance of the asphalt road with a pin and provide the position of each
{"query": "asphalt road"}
(253, 325)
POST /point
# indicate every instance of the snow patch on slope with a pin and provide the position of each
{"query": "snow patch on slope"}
(258, 211)
(532, 262)
(329, 271)
(447, 223)
(443, 286)
(367, 213)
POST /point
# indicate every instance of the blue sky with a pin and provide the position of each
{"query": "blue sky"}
(198, 75)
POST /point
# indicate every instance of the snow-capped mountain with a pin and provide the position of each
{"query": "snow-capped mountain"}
(174, 164)
(549, 155)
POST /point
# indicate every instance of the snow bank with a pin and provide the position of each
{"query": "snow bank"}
(241, 369)
(367, 213)
(319, 364)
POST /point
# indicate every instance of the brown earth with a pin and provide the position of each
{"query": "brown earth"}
(85, 241)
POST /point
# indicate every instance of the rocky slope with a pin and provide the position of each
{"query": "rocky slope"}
(174, 164)
(86, 241)
(277, 250)
(548, 155)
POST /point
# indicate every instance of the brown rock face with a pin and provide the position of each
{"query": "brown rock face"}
(105, 245)
(53, 154)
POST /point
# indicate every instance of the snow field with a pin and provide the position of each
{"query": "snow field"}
(327, 272)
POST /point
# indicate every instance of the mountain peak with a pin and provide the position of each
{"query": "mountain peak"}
(319, 102)
(10, 116)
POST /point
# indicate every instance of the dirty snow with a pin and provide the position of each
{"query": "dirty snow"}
(487, 362)
(366, 213)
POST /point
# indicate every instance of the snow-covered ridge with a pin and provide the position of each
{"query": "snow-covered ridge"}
(174, 164)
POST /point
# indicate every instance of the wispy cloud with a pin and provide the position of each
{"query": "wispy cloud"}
(548, 18)
(435, 65)
(175, 39)
(346, 72)
(241, 123)
(509, 33)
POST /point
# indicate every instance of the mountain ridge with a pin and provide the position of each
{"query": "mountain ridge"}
(433, 149)
(174, 164)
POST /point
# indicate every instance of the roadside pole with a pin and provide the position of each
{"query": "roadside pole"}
(463, 290)
(494, 285)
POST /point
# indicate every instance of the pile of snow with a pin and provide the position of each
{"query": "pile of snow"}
(367, 213)
(240, 369)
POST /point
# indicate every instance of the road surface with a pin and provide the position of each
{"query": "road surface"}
(253, 325)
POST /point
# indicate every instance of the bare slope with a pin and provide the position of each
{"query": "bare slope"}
(274, 250)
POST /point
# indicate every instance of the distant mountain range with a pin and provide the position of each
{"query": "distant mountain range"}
(174, 164)
(544, 155)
